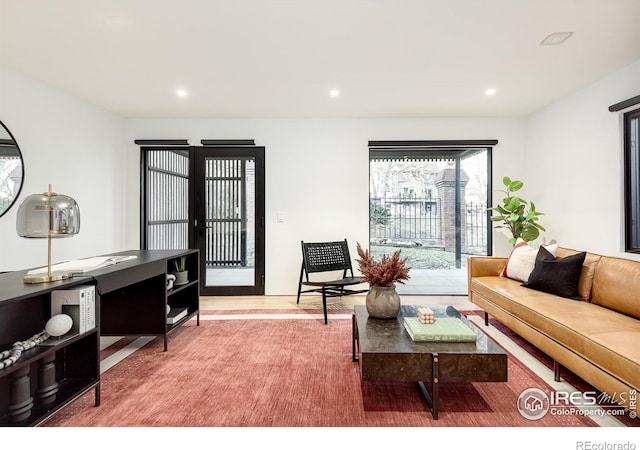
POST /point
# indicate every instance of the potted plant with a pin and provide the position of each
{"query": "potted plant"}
(513, 214)
(382, 301)
(181, 273)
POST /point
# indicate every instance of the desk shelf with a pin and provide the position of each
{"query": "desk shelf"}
(47, 377)
(131, 299)
(177, 289)
(146, 283)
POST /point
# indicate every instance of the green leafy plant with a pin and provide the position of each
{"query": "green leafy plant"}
(180, 264)
(513, 214)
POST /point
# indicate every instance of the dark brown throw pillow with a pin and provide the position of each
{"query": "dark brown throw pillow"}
(557, 276)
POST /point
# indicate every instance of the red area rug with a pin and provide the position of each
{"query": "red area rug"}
(301, 310)
(283, 373)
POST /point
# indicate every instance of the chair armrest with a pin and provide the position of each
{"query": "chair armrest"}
(484, 266)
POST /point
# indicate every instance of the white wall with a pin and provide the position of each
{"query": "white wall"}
(317, 173)
(569, 155)
(78, 149)
(574, 165)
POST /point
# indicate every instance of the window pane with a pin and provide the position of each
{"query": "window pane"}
(431, 205)
(167, 201)
(230, 221)
(632, 125)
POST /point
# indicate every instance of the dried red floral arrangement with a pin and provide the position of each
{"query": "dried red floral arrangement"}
(386, 272)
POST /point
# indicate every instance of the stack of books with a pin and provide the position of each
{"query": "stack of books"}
(444, 329)
(78, 302)
(175, 315)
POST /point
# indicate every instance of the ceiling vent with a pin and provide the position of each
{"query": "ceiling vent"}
(557, 38)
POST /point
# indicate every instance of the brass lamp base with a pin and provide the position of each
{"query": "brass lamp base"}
(32, 279)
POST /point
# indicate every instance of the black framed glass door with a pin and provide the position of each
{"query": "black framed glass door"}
(229, 219)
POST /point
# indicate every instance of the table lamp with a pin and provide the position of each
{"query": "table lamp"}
(49, 216)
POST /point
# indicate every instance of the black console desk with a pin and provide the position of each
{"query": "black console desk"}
(134, 297)
(131, 299)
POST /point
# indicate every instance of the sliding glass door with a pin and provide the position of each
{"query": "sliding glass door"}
(430, 202)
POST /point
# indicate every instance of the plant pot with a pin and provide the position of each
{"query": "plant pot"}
(181, 278)
(383, 302)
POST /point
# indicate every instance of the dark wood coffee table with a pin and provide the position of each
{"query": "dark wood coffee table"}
(387, 353)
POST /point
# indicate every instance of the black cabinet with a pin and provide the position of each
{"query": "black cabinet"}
(131, 299)
(45, 378)
(187, 295)
(134, 299)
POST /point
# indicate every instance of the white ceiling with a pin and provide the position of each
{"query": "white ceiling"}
(280, 58)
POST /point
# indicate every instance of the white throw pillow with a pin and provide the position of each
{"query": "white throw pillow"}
(522, 260)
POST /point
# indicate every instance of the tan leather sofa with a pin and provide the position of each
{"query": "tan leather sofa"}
(597, 338)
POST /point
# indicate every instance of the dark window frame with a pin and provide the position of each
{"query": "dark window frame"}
(443, 148)
(145, 200)
(631, 122)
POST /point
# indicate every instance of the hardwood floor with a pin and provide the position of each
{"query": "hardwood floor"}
(460, 302)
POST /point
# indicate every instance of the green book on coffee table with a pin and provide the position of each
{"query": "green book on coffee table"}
(444, 329)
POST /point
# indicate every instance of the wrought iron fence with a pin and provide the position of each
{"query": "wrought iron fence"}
(476, 228)
(421, 221)
(406, 218)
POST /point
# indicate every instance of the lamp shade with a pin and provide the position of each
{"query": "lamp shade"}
(48, 215)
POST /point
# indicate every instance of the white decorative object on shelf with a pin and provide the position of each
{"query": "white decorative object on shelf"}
(78, 302)
(9, 357)
(58, 325)
(171, 278)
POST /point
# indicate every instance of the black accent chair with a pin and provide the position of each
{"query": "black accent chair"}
(327, 257)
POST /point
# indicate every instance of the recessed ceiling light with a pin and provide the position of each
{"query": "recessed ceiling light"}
(556, 38)
(334, 93)
(182, 93)
(490, 91)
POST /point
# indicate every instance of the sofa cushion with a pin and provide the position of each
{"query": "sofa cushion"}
(606, 338)
(522, 260)
(557, 276)
(616, 285)
(502, 291)
(588, 270)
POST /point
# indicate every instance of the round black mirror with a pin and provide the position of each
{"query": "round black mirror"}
(11, 169)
